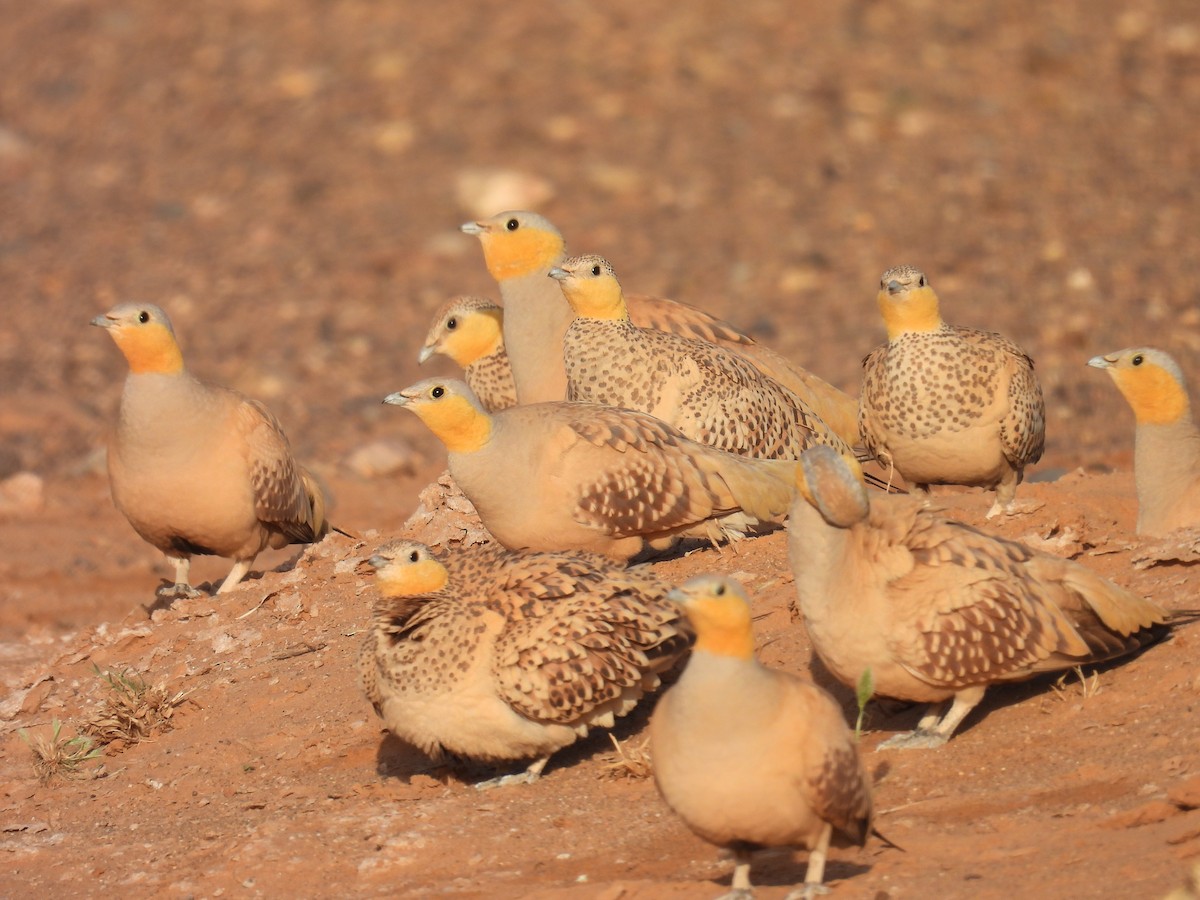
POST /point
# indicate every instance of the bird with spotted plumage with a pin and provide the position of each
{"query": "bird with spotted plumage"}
(580, 476)
(939, 611)
(196, 468)
(470, 331)
(943, 404)
(709, 393)
(495, 656)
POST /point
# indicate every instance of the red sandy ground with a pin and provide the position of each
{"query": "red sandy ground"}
(286, 179)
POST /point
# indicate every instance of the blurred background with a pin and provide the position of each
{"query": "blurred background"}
(287, 177)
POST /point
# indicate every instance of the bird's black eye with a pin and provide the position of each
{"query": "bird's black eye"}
(437, 392)
(143, 317)
(512, 224)
(595, 270)
(921, 281)
(1138, 360)
(451, 323)
(719, 590)
(414, 556)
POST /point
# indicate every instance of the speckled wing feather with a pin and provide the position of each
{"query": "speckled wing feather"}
(836, 408)
(620, 429)
(281, 499)
(1023, 430)
(708, 392)
(490, 377)
(985, 609)
(669, 482)
(838, 785)
(565, 659)
(683, 319)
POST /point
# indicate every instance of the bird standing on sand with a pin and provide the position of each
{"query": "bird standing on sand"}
(936, 610)
(948, 405)
(199, 469)
(578, 476)
(520, 249)
(750, 757)
(709, 393)
(1166, 450)
(470, 331)
(496, 655)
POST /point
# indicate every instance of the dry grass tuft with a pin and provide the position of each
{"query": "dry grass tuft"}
(59, 757)
(133, 711)
(630, 761)
(1089, 685)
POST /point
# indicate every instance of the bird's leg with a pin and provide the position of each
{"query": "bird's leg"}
(236, 574)
(1006, 497)
(181, 588)
(814, 877)
(933, 733)
(529, 776)
(742, 889)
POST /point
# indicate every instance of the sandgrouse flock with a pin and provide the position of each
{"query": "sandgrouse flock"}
(595, 428)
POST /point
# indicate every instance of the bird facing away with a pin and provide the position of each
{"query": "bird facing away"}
(709, 393)
(495, 655)
(578, 476)
(938, 610)
(751, 757)
(1166, 449)
(520, 248)
(469, 330)
(199, 469)
(948, 405)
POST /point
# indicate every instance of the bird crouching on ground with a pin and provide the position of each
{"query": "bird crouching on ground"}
(470, 331)
(708, 392)
(495, 655)
(1166, 450)
(751, 757)
(948, 405)
(939, 611)
(199, 469)
(578, 476)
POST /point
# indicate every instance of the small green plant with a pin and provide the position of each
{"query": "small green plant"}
(863, 693)
(59, 757)
(133, 711)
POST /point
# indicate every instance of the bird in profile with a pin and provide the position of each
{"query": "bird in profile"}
(708, 392)
(199, 469)
(469, 330)
(751, 757)
(494, 655)
(939, 611)
(942, 404)
(1166, 454)
(520, 248)
(579, 476)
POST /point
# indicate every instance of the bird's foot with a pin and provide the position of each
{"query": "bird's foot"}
(738, 894)
(177, 591)
(913, 740)
(1014, 508)
(807, 891)
(506, 780)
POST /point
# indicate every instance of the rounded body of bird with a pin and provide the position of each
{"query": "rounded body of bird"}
(953, 406)
(747, 755)
(936, 609)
